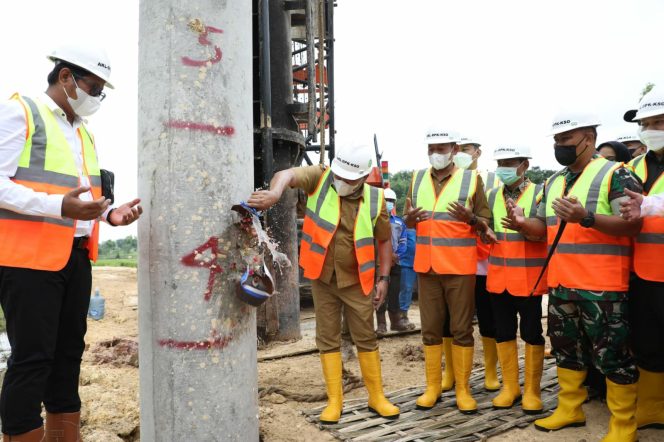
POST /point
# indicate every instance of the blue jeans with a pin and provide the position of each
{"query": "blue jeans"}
(408, 278)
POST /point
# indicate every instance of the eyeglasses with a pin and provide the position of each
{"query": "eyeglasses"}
(95, 91)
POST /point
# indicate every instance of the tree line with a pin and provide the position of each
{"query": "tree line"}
(126, 248)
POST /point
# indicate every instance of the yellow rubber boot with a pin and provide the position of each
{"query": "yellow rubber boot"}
(370, 366)
(650, 405)
(571, 396)
(491, 382)
(432, 356)
(621, 400)
(531, 403)
(509, 365)
(463, 364)
(332, 372)
(448, 377)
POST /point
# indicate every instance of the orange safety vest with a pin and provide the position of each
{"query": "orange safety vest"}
(585, 257)
(321, 221)
(649, 244)
(515, 263)
(443, 244)
(46, 165)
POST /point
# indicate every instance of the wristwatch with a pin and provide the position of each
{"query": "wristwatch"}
(588, 220)
(472, 221)
(384, 278)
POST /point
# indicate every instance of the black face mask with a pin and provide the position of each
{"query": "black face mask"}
(566, 154)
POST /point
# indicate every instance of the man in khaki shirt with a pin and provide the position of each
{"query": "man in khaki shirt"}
(341, 280)
(445, 234)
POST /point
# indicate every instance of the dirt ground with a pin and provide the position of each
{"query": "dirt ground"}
(110, 394)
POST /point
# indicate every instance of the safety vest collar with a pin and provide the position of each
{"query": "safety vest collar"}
(316, 201)
(599, 169)
(640, 165)
(466, 190)
(527, 200)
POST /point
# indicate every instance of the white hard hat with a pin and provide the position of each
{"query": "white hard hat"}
(439, 136)
(92, 59)
(352, 162)
(469, 140)
(507, 152)
(566, 121)
(650, 105)
(628, 138)
(390, 195)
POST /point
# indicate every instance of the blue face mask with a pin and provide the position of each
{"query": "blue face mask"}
(508, 175)
(390, 206)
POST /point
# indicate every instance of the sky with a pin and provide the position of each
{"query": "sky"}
(498, 71)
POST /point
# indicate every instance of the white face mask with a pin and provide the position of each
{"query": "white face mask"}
(463, 160)
(440, 160)
(390, 206)
(654, 139)
(85, 105)
(345, 189)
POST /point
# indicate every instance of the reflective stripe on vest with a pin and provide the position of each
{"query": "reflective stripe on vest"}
(587, 258)
(443, 244)
(321, 220)
(515, 263)
(46, 165)
(649, 244)
(490, 180)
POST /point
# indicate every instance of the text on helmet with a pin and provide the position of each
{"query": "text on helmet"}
(357, 166)
(655, 104)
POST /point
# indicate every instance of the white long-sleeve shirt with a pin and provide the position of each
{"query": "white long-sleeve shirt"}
(652, 205)
(22, 199)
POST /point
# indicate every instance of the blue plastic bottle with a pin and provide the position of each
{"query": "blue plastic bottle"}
(97, 306)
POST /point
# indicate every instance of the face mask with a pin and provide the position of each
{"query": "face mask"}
(85, 105)
(508, 175)
(566, 154)
(439, 160)
(345, 189)
(390, 206)
(463, 160)
(654, 139)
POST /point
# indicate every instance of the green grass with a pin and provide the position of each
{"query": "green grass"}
(2, 321)
(116, 262)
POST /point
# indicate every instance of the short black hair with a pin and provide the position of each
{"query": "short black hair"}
(59, 65)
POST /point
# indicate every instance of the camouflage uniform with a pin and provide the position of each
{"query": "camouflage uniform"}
(590, 328)
(585, 333)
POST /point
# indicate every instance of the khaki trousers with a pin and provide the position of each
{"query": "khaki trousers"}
(358, 311)
(440, 294)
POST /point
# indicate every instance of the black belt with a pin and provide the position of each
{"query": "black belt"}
(80, 242)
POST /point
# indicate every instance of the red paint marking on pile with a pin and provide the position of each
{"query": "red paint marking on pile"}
(203, 40)
(189, 260)
(218, 130)
(210, 344)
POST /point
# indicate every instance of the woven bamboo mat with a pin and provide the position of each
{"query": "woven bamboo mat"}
(441, 423)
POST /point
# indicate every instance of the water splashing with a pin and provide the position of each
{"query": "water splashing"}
(279, 258)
